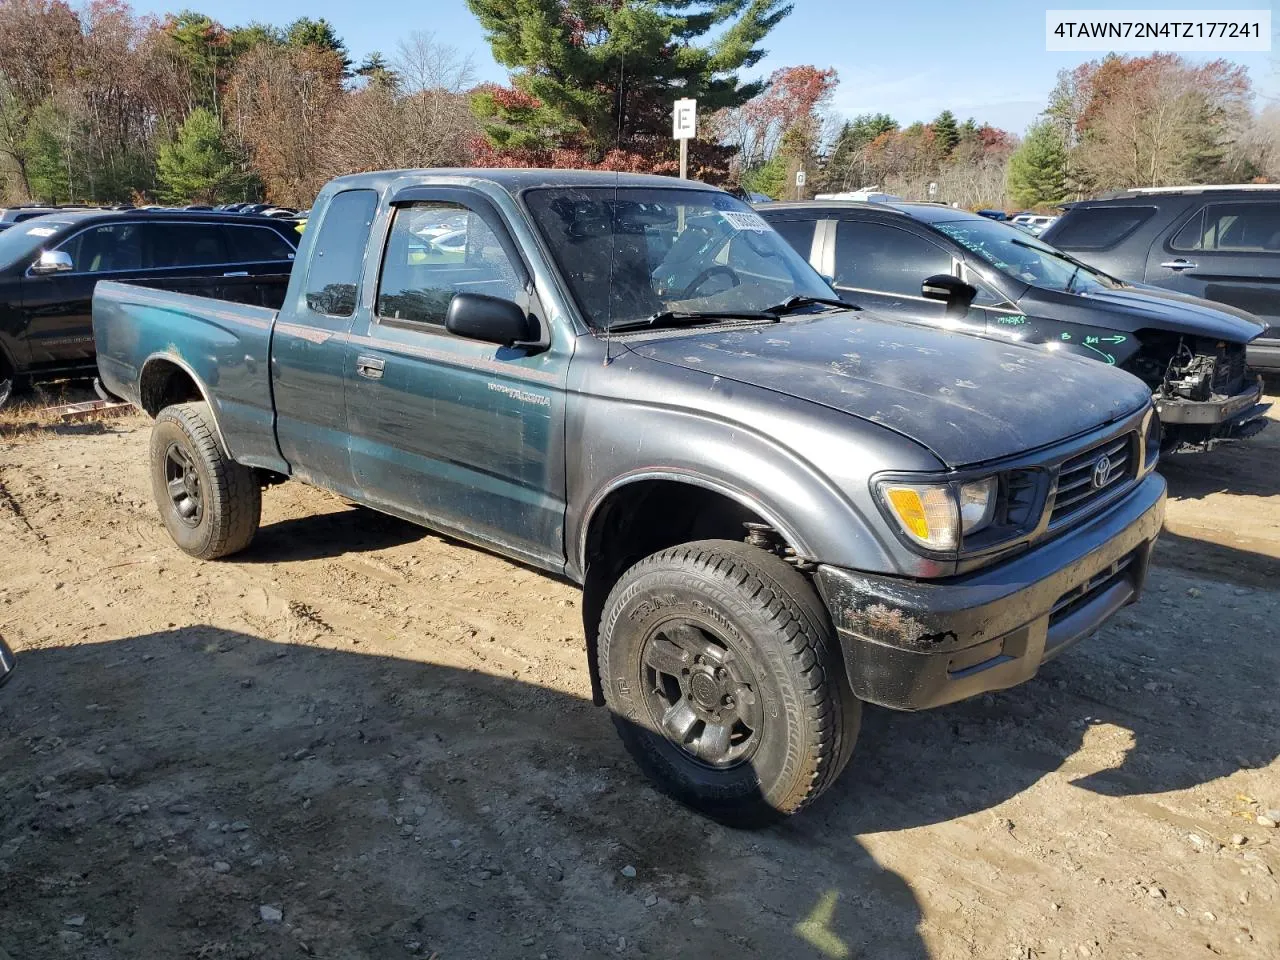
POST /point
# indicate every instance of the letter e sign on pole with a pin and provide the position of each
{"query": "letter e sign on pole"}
(684, 127)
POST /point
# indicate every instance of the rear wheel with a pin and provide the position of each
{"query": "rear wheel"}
(721, 669)
(210, 504)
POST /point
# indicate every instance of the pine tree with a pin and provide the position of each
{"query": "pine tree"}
(1038, 168)
(375, 69)
(946, 131)
(305, 32)
(603, 73)
(197, 167)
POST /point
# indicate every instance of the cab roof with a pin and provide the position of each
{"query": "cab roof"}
(515, 179)
(71, 217)
(925, 212)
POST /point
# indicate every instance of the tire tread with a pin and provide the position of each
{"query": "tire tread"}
(795, 613)
(233, 498)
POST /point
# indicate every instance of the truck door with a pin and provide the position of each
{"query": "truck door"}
(1228, 252)
(309, 345)
(462, 435)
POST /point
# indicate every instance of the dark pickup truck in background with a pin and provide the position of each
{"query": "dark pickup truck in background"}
(1221, 243)
(778, 506)
(49, 266)
(934, 264)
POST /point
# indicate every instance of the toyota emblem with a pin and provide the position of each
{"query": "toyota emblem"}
(1101, 472)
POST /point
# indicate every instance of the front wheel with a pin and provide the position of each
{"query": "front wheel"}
(210, 504)
(721, 670)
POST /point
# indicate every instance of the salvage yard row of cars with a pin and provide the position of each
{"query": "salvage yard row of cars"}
(778, 505)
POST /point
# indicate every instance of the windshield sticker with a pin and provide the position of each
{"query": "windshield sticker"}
(745, 221)
(41, 232)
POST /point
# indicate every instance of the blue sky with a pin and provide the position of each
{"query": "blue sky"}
(908, 58)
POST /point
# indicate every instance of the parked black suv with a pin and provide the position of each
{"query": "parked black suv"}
(933, 264)
(1220, 243)
(11, 215)
(49, 266)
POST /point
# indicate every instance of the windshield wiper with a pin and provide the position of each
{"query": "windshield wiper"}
(681, 318)
(794, 303)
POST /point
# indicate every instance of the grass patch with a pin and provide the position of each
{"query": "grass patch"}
(34, 414)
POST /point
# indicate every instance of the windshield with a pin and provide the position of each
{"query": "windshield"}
(23, 239)
(1019, 255)
(636, 252)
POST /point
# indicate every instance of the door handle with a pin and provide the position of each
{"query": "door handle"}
(370, 367)
(237, 273)
(1179, 264)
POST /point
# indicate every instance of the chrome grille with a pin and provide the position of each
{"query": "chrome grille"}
(1078, 479)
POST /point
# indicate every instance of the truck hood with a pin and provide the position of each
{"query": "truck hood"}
(968, 399)
(1154, 308)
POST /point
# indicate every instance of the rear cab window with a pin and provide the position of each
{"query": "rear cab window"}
(1099, 228)
(338, 254)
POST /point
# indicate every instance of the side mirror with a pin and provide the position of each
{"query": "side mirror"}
(952, 291)
(53, 261)
(489, 319)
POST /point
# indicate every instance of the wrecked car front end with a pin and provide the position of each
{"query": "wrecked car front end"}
(1203, 389)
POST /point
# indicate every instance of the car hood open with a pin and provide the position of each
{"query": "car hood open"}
(966, 398)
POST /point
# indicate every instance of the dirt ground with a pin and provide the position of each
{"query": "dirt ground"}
(358, 740)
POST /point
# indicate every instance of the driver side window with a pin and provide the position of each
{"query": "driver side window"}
(108, 248)
(437, 249)
(882, 259)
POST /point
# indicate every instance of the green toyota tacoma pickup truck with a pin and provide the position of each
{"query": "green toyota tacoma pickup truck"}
(778, 507)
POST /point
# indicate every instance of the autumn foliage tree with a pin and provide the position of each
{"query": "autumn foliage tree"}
(413, 112)
(1149, 121)
(281, 104)
(777, 132)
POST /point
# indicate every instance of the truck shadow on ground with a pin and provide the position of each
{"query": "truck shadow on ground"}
(327, 535)
(165, 787)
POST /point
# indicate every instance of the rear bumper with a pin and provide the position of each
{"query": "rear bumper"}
(1264, 354)
(6, 662)
(911, 645)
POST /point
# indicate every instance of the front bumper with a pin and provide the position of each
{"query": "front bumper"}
(911, 645)
(1200, 413)
(6, 662)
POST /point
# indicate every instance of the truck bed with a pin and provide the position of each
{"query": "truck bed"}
(221, 341)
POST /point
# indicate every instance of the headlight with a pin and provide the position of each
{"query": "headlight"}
(937, 515)
(977, 504)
